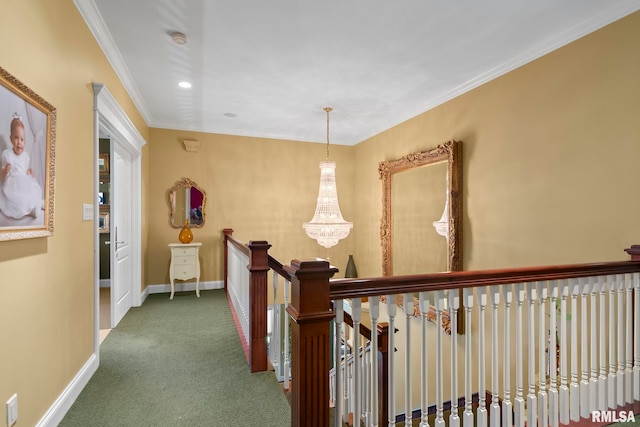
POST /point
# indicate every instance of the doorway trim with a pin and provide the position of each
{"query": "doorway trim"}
(110, 119)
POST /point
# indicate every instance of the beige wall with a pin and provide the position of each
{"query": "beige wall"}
(263, 189)
(550, 154)
(46, 284)
(550, 158)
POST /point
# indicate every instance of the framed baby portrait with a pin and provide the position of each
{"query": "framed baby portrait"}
(27, 161)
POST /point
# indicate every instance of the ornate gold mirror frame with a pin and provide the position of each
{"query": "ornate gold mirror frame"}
(451, 153)
(183, 206)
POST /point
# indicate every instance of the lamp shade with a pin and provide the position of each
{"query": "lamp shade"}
(327, 225)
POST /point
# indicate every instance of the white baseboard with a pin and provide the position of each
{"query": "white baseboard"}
(61, 406)
(144, 295)
(184, 287)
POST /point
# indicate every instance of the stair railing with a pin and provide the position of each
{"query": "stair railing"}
(245, 282)
(529, 308)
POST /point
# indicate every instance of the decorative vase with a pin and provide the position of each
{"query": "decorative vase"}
(351, 272)
(185, 236)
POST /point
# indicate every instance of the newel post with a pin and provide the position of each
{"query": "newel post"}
(258, 268)
(227, 233)
(634, 251)
(311, 314)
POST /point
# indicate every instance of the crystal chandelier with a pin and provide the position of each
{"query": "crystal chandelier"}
(327, 225)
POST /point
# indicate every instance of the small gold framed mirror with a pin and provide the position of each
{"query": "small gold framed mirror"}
(187, 203)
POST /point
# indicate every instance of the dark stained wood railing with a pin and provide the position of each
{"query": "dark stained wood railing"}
(257, 252)
(310, 310)
(313, 289)
(377, 286)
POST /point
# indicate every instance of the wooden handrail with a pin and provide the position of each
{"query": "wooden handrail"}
(370, 287)
(256, 252)
(243, 247)
(277, 266)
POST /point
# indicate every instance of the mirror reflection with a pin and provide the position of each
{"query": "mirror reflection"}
(418, 200)
(187, 204)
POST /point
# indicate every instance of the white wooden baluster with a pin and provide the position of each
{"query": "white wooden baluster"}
(518, 402)
(275, 337)
(374, 310)
(482, 388)
(356, 315)
(611, 381)
(593, 381)
(391, 351)
(564, 348)
(574, 387)
(628, 378)
(407, 302)
(467, 302)
(349, 387)
(602, 379)
(454, 305)
(338, 308)
(366, 384)
(620, 330)
(286, 371)
(543, 417)
(424, 363)
(494, 295)
(532, 400)
(553, 362)
(585, 392)
(440, 303)
(636, 339)
(507, 406)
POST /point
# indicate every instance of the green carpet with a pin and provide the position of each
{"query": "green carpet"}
(178, 363)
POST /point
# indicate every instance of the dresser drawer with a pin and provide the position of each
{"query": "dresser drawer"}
(179, 260)
(184, 272)
(185, 251)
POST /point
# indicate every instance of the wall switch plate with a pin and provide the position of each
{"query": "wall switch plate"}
(87, 212)
(12, 410)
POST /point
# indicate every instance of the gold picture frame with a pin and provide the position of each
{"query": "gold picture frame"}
(103, 163)
(27, 168)
(103, 222)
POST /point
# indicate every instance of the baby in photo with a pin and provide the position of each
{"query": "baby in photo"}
(22, 194)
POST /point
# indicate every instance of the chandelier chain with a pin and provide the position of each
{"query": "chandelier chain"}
(328, 110)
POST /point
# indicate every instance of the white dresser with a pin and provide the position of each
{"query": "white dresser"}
(185, 264)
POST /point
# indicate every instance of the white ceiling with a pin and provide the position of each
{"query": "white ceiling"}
(274, 65)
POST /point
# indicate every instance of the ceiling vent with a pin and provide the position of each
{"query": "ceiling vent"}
(178, 37)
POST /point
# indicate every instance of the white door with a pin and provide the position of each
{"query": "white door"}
(121, 234)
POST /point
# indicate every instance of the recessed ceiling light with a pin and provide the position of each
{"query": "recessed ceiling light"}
(232, 115)
(184, 85)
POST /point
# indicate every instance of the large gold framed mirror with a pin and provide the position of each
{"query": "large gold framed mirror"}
(421, 229)
(187, 204)
(417, 190)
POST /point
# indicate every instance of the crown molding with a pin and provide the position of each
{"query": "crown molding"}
(96, 24)
(615, 12)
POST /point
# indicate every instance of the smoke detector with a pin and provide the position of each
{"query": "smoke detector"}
(178, 37)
